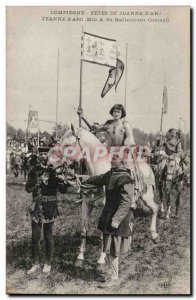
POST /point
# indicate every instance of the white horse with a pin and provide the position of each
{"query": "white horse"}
(85, 144)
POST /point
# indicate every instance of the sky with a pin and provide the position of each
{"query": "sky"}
(158, 54)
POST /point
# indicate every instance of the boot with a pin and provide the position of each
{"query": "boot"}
(33, 269)
(46, 269)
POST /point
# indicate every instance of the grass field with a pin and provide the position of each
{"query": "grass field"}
(162, 268)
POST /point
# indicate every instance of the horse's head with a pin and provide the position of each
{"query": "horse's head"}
(69, 138)
(174, 168)
(82, 144)
(67, 150)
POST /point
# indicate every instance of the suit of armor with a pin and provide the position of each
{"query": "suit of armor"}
(120, 132)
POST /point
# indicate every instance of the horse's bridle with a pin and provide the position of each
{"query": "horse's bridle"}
(175, 168)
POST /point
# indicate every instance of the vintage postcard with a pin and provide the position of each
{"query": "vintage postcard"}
(98, 150)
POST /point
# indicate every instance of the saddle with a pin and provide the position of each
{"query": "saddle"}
(103, 137)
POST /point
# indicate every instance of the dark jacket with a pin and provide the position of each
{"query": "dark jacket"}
(119, 192)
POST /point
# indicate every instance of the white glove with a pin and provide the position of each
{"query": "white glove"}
(61, 177)
(114, 224)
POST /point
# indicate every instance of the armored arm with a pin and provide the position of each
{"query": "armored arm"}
(81, 115)
(129, 139)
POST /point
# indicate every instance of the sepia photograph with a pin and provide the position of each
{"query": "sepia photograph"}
(98, 150)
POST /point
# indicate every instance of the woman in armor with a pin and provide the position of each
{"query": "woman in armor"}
(119, 132)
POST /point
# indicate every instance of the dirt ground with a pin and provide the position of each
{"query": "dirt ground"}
(150, 268)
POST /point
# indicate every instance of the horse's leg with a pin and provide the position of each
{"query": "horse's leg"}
(148, 199)
(180, 188)
(130, 238)
(82, 250)
(160, 183)
(161, 196)
(102, 258)
(85, 212)
(168, 210)
(168, 197)
(25, 174)
(177, 202)
(17, 171)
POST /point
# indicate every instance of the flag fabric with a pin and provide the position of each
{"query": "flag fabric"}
(165, 100)
(109, 82)
(114, 77)
(119, 71)
(100, 50)
(33, 121)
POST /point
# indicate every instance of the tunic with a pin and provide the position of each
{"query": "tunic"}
(119, 184)
(119, 193)
(44, 185)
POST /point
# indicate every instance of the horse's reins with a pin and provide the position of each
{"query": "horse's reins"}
(174, 171)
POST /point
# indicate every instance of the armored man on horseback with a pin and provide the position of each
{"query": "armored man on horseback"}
(171, 166)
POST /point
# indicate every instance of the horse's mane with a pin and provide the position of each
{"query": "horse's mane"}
(88, 138)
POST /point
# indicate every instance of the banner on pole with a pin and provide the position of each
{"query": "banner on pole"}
(114, 77)
(33, 121)
(100, 50)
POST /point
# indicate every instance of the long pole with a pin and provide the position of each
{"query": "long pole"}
(81, 73)
(28, 120)
(184, 135)
(179, 123)
(38, 137)
(126, 77)
(57, 94)
(47, 121)
(27, 130)
(181, 119)
(161, 126)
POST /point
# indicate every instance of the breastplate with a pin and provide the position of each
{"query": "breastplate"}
(116, 133)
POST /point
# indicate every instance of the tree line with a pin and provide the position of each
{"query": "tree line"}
(141, 137)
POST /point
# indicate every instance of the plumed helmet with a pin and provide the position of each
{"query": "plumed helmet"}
(120, 107)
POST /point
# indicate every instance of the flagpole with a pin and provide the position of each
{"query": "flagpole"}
(27, 130)
(126, 77)
(38, 137)
(81, 73)
(161, 119)
(57, 94)
(28, 120)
